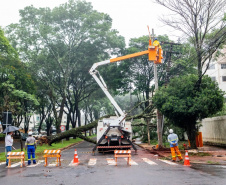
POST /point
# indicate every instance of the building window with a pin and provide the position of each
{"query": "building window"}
(211, 66)
(223, 66)
(224, 78)
(213, 78)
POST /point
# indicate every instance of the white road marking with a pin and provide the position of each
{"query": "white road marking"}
(111, 161)
(168, 162)
(15, 164)
(31, 165)
(2, 163)
(149, 161)
(73, 164)
(34, 165)
(54, 163)
(92, 161)
(131, 161)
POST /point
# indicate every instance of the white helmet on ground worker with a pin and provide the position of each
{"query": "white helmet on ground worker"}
(170, 131)
(30, 133)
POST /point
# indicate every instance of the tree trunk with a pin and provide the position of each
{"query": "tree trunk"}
(67, 126)
(59, 118)
(49, 122)
(96, 114)
(21, 143)
(191, 132)
(199, 56)
(90, 132)
(75, 132)
(79, 118)
(159, 128)
(85, 119)
(148, 131)
(73, 117)
(43, 115)
(26, 123)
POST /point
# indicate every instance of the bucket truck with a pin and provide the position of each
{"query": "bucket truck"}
(115, 132)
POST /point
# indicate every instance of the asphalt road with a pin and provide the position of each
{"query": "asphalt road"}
(145, 169)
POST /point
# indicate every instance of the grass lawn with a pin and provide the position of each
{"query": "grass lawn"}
(40, 149)
(167, 145)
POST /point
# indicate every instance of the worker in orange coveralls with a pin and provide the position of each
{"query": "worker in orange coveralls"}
(173, 140)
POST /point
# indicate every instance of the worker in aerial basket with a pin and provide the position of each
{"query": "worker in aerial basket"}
(173, 140)
(156, 43)
(30, 145)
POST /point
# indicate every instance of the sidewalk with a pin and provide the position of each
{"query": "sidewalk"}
(203, 155)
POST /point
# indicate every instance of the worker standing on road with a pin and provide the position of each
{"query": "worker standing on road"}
(30, 145)
(173, 140)
(156, 43)
(8, 145)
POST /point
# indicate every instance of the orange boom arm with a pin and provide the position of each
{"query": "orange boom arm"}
(154, 54)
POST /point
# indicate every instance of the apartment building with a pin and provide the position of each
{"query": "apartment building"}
(217, 70)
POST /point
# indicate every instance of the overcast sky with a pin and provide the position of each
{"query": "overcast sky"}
(130, 17)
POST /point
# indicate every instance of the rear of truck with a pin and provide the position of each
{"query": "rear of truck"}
(111, 135)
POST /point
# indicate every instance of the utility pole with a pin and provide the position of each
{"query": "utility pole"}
(159, 115)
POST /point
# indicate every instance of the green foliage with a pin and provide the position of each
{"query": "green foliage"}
(182, 103)
(19, 93)
(60, 45)
(6, 50)
(141, 131)
(17, 86)
(221, 112)
(200, 154)
(153, 134)
(139, 70)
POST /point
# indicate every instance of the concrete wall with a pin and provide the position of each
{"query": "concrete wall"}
(214, 130)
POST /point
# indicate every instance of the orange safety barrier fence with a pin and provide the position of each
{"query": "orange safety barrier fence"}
(123, 153)
(52, 153)
(16, 155)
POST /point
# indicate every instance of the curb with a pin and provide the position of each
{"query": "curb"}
(149, 150)
(156, 152)
(70, 146)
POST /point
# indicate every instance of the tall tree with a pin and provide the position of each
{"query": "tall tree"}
(17, 86)
(195, 19)
(183, 105)
(61, 44)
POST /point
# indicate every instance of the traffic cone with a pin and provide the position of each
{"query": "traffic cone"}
(75, 161)
(186, 159)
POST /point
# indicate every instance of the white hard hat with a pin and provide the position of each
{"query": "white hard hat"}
(29, 133)
(170, 131)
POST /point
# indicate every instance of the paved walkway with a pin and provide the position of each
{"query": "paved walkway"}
(16, 144)
(204, 155)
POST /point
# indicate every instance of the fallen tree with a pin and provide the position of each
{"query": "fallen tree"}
(77, 132)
